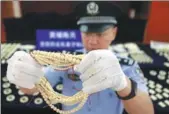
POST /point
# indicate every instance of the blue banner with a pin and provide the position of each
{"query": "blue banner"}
(58, 40)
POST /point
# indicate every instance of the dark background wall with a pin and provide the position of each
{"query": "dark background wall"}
(143, 16)
(65, 7)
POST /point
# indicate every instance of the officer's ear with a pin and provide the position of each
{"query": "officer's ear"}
(114, 33)
(115, 29)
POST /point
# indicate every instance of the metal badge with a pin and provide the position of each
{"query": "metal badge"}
(7, 91)
(153, 73)
(151, 86)
(167, 81)
(162, 72)
(159, 86)
(166, 64)
(59, 87)
(167, 102)
(161, 77)
(154, 98)
(151, 82)
(166, 90)
(165, 95)
(159, 96)
(10, 98)
(20, 92)
(5, 79)
(161, 104)
(92, 8)
(38, 101)
(24, 99)
(6, 85)
(151, 91)
(158, 90)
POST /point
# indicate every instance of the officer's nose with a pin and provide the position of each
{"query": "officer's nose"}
(93, 39)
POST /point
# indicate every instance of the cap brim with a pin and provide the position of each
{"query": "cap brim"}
(95, 28)
(97, 20)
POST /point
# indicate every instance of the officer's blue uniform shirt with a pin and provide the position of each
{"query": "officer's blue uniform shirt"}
(104, 102)
(97, 17)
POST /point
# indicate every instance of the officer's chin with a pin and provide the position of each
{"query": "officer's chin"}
(87, 51)
(91, 49)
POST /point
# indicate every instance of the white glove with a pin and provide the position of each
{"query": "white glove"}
(23, 70)
(100, 69)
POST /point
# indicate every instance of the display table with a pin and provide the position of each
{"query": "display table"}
(156, 73)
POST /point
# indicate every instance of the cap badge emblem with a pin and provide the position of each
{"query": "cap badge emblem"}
(92, 8)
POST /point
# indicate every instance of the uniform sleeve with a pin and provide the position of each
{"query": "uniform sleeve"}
(54, 76)
(134, 72)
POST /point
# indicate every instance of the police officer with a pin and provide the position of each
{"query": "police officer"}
(112, 86)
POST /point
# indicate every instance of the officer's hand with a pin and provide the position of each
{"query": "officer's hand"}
(23, 70)
(29, 91)
(99, 70)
